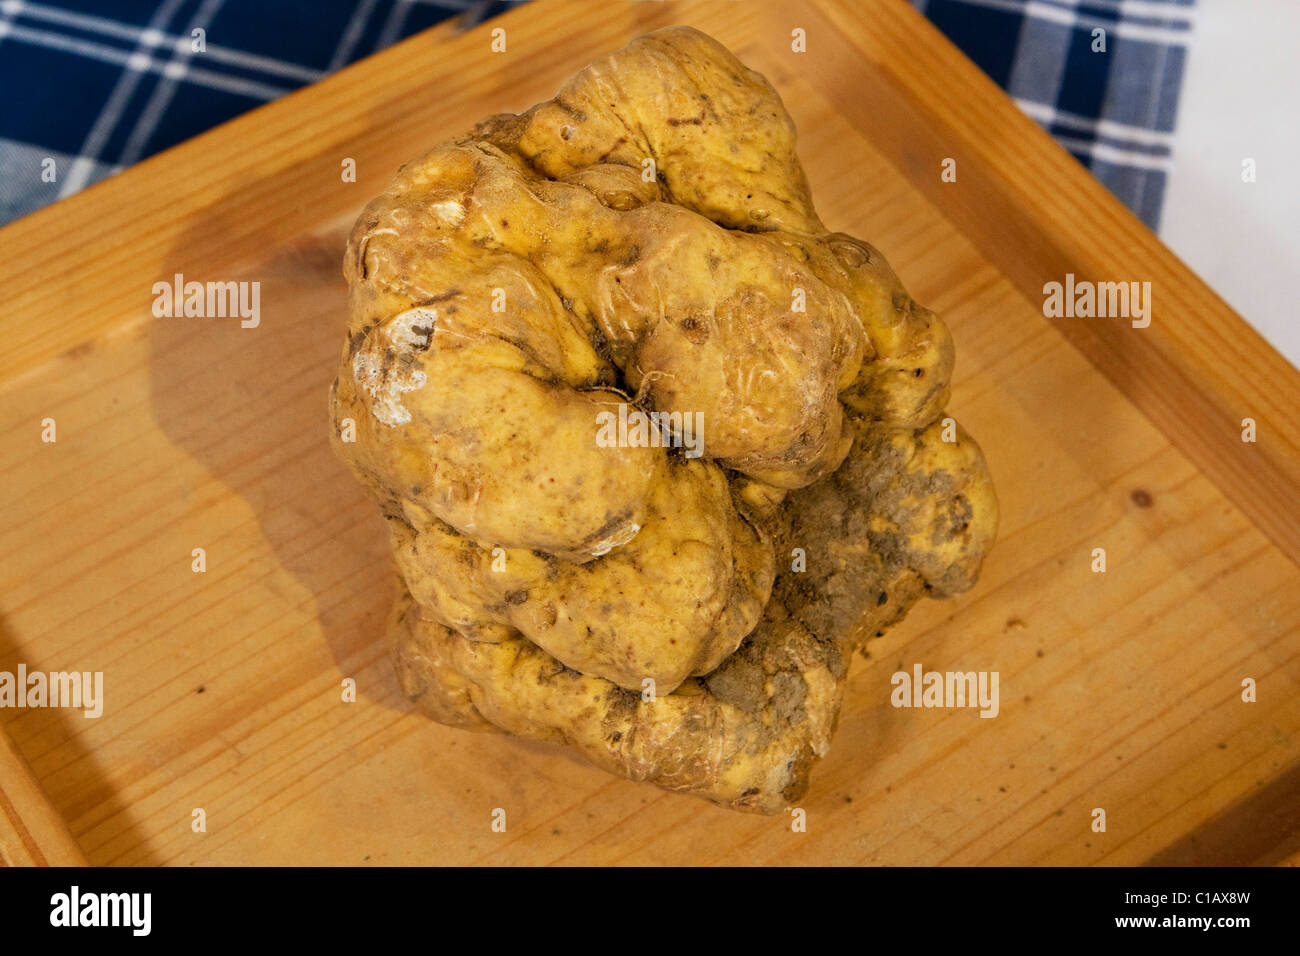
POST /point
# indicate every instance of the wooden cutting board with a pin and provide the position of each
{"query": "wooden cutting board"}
(1120, 691)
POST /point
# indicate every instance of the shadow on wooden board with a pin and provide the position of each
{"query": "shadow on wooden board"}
(1262, 829)
(250, 404)
(32, 830)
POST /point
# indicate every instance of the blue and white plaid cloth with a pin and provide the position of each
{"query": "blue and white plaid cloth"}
(89, 87)
(1102, 76)
(97, 85)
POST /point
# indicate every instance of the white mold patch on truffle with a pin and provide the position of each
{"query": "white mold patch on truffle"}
(450, 212)
(413, 329)
(383, 367)
(616, 540)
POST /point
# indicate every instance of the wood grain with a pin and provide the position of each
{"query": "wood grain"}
(31, 831)
(1120, 691)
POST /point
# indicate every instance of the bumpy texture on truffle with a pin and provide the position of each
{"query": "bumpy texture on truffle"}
(681, 615)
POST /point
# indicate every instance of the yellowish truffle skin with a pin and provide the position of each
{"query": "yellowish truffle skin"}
(646, 242)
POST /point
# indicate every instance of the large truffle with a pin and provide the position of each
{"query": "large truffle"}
(656, 449)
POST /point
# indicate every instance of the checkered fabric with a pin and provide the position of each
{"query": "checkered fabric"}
(97, 85)
(93, 86)
(1102, 76)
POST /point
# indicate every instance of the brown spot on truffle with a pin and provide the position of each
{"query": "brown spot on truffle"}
(571, 110)
(697, 333)
(547, 618)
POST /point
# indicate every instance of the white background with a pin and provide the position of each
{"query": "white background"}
(1241, 98)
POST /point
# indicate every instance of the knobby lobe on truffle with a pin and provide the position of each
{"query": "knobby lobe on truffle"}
(647, 239)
